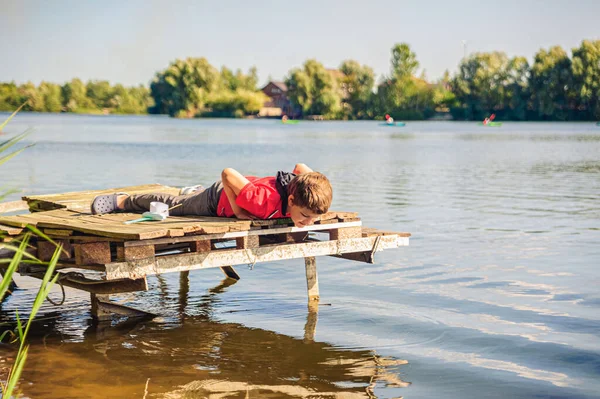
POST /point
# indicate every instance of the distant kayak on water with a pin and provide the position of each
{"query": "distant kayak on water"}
(288, 121)
(491, 124)
(389, 121)
(393, 124)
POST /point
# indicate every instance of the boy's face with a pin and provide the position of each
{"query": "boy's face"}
(301, 217)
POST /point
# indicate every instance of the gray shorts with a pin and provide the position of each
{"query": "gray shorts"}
(198, 203)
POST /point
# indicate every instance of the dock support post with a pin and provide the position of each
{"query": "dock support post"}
(230, 272)
(312, 280)
(103, 309)
(311, 322)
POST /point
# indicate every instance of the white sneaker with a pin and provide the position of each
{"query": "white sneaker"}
(191, 189)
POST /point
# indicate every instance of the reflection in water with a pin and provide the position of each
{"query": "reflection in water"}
(201, 358)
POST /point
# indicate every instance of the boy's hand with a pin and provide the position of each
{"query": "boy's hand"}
(301, 168)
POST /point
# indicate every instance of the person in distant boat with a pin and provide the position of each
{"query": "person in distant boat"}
(302, 195)
(487, 121)
(389, 120)
(284, 118)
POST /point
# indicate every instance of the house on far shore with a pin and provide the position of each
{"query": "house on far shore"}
(278, 104)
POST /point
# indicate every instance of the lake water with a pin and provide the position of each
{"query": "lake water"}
(496, 297)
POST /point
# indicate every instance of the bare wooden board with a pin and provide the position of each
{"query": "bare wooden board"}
(329, 217)
(203, 260)
(112, 225)
(81, 200)
(10, 230)
(236, 234)
(369, 232)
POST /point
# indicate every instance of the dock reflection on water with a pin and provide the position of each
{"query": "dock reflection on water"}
(199, 357)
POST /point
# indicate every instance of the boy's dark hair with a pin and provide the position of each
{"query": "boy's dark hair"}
(311, 191)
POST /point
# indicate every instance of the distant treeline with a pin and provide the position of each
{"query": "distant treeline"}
(555, 86)
(94, 97)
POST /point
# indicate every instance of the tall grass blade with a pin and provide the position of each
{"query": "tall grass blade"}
(12, 116)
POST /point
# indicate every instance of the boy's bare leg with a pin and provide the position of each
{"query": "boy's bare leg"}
(121, 201)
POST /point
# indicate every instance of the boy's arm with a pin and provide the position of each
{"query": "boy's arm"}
(233, 183)
(301, 168)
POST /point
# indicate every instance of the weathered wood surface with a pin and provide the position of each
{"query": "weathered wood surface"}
(236, 234)
(63, 222)
(312, 278)
(10, 230)
(13, 206)
(203, 260)
(98, 286)
(81, 200)
(112, 225)
(371, 232)
(329, 217)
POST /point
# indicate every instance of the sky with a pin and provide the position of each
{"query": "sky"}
(128, 41)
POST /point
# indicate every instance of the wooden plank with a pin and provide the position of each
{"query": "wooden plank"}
(338, 215)
(81, 200)
(92, 253)
(133, 253)
(230, 272)
(103, 309)
(58, 232)
(247, 242)
(346, 232)
(312, 279)
(203, 260)
(112, 225)
(273, 222)
(231, 235)
(200, 246)
(80, 239)
(10, 230)
(13, 206)
(370, 232)
(331, 215)
(98, 286)
(46, 249)
(366, 256)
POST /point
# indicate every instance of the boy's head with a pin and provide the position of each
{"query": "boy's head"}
(309, 196)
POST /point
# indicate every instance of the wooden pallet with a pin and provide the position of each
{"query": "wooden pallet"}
(119, 256)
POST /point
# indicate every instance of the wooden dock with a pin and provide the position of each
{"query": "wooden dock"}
(103, 255)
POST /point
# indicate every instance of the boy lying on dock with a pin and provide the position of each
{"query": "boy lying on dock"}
(302, 195)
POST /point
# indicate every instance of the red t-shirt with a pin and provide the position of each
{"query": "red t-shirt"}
(259, 197)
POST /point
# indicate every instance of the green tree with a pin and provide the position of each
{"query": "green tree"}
(74, 96)
(52, 97)
(357, 89)
(239, 81)
(404, 62)
(36, 99)
(100, 93)
(443, 97)
(403, 95)
(551, 83)
(517, 91)
(183, 88)
(479, 85)
(586, 78)
(314, 90)
(10, 98)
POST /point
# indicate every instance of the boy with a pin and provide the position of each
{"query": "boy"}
(302, 195)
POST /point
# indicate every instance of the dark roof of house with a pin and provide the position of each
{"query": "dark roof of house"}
(280, 85)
